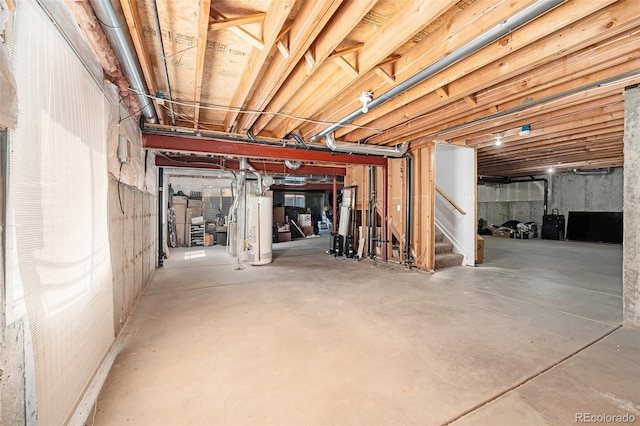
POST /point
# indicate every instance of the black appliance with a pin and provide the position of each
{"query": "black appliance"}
(349, 249)
(553, 226)
(338, 245)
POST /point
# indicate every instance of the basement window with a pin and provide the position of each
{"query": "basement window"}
(294, 200)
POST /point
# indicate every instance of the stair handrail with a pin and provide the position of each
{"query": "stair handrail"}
(450, 201)
(440, 226)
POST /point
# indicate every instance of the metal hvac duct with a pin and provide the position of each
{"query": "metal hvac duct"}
(597, 172)
(120, 42)
(354, 148)
(466, 50)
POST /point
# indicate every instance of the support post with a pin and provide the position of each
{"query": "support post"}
(161, 208)
(385, 207)
(631, 239)
(335, 204)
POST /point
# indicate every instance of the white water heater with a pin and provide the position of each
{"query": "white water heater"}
(260, 230)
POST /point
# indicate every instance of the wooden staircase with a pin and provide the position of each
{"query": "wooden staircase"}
(445, 257)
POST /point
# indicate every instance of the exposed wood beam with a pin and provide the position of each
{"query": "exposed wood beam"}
(414, 16)
(241, 32)
(225, 23)
(443, 92)
(471, 22)
(309, 23)
(284, 50)
(278, 12)
(308, 57)
(385, 76)
(569, 27)
(350, 14)
(132, 16)
(243, 149)
(201, 51)
(346, 65)
(470, 100)
(340, 53)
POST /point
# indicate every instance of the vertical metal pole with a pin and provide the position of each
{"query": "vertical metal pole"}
(161, 208)
(385, 206)
(407, 231)
(371, 218)
(335, 203)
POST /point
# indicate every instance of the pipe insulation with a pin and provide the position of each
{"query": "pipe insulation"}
(493, 34)
(122, 47)
(352, 148)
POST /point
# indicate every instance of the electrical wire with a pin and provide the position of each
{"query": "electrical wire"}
(217, 107)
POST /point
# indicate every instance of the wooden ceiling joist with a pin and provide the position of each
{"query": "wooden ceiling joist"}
(414, 16)
(310, 21)
(350, 14)
(546, 38)
(201, 47)
(228, 23)
(224, 22)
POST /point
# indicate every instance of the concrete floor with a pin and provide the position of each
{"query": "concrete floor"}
(530, 337)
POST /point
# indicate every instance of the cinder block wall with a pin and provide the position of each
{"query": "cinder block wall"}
(132, 237)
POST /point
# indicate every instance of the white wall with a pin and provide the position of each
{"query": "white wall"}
(455, 176)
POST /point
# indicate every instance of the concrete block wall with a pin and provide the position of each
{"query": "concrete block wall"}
(132, 236)
(498, 213)
(570, 192)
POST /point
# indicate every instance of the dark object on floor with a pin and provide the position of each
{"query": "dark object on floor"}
(553, 227)
(601, 227)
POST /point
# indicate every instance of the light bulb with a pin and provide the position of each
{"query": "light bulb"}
(498, 142)
(365, 109)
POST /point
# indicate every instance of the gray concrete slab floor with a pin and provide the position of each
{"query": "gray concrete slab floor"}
(532, 336)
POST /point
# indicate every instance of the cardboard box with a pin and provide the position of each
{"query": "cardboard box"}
(284, 236)
(180, 211)
(197, 220)
(307, 230)
(192, 212)
(208, 239)
(501, 233)
(180, 231)
(197, 204)
(479, 249)
(304, 220)
(278, 215)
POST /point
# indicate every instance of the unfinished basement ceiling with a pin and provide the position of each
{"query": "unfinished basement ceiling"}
(276, 66)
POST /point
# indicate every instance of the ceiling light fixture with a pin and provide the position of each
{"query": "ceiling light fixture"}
(366, 98)
(550, 169)
(525, 130)
(498, 139)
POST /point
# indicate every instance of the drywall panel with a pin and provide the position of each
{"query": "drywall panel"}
(455, 177)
